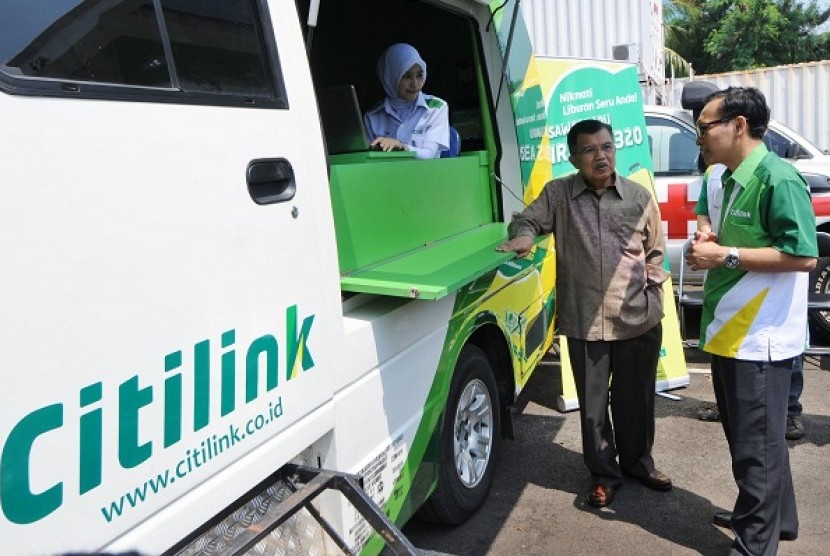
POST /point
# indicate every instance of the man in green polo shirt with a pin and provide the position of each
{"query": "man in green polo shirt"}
(754, 318)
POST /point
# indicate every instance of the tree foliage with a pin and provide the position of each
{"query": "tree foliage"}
(725, 35)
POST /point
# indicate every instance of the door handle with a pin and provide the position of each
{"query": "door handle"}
(270, 180)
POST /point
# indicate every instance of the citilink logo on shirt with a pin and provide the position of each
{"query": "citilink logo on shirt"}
(739, 213)
(20, 501)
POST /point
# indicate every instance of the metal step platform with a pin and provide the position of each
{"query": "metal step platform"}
(278, 518)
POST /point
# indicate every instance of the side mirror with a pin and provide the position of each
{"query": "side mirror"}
(795, 151)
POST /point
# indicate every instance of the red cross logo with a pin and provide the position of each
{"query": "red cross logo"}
(678, 210)
(821, 206)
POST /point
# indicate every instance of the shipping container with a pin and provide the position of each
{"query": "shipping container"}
(797, 95)
(630, 30)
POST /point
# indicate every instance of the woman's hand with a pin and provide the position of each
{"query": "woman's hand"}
(387, 144)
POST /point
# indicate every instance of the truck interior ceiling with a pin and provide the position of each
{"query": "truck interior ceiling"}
(350, 37)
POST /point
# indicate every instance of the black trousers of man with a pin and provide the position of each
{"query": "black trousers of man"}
(631, 367)
(752, 397)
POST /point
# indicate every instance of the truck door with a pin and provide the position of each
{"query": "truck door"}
(169, 275)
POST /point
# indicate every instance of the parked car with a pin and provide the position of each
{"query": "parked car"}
(678, 170)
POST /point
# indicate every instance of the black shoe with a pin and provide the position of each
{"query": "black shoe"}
(795, 428)
(722, 518)
(709, 414)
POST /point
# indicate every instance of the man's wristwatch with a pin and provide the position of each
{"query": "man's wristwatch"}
(732, 260)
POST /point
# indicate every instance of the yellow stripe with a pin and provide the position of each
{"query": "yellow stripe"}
(727, 341)
(531, 76)
(541, 173)
(295, 367)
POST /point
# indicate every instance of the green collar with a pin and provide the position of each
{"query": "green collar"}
(745, 170)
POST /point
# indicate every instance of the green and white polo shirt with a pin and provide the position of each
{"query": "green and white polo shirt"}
(760, 316)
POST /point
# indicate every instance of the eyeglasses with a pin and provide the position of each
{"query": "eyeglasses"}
(701, 129)
(606, 148)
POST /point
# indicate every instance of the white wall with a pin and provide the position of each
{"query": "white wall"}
(797, 95)
(591, 28)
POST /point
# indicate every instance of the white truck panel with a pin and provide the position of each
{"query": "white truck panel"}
(170, 253)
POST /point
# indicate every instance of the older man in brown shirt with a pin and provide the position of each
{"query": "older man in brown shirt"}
(609, 271)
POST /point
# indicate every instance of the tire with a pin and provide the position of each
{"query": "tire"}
(469, 441)
(820, 283)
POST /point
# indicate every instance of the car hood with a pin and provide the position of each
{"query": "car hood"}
(819, 164)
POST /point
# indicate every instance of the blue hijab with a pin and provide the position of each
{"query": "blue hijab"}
(392, 64)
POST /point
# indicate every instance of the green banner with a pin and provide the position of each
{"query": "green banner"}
(548, 96)
(603, 94)
(562, 92)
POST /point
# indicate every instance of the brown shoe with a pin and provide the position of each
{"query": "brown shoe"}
(657, 480)
(601, 495)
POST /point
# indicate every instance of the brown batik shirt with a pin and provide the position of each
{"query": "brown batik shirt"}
(609, 256)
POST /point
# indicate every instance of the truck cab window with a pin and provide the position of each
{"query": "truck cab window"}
(780, 145)
(103, 42)
(194, 51)
(776, 142)
(217, 47)
(673, 147)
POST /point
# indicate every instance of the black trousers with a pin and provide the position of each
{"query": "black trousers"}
(631, 367)
(752, 398)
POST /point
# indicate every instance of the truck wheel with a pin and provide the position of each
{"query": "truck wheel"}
(820, 283)
(469, 440)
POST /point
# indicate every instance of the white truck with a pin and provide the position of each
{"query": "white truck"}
(678, 179)
(206, 283)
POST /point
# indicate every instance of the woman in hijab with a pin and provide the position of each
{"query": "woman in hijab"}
(407, 119)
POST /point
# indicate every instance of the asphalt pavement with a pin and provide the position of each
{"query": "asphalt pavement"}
(537, 502)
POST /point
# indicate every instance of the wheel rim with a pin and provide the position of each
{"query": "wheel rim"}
(473, 433)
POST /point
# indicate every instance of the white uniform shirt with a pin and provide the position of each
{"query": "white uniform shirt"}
(427, 132)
